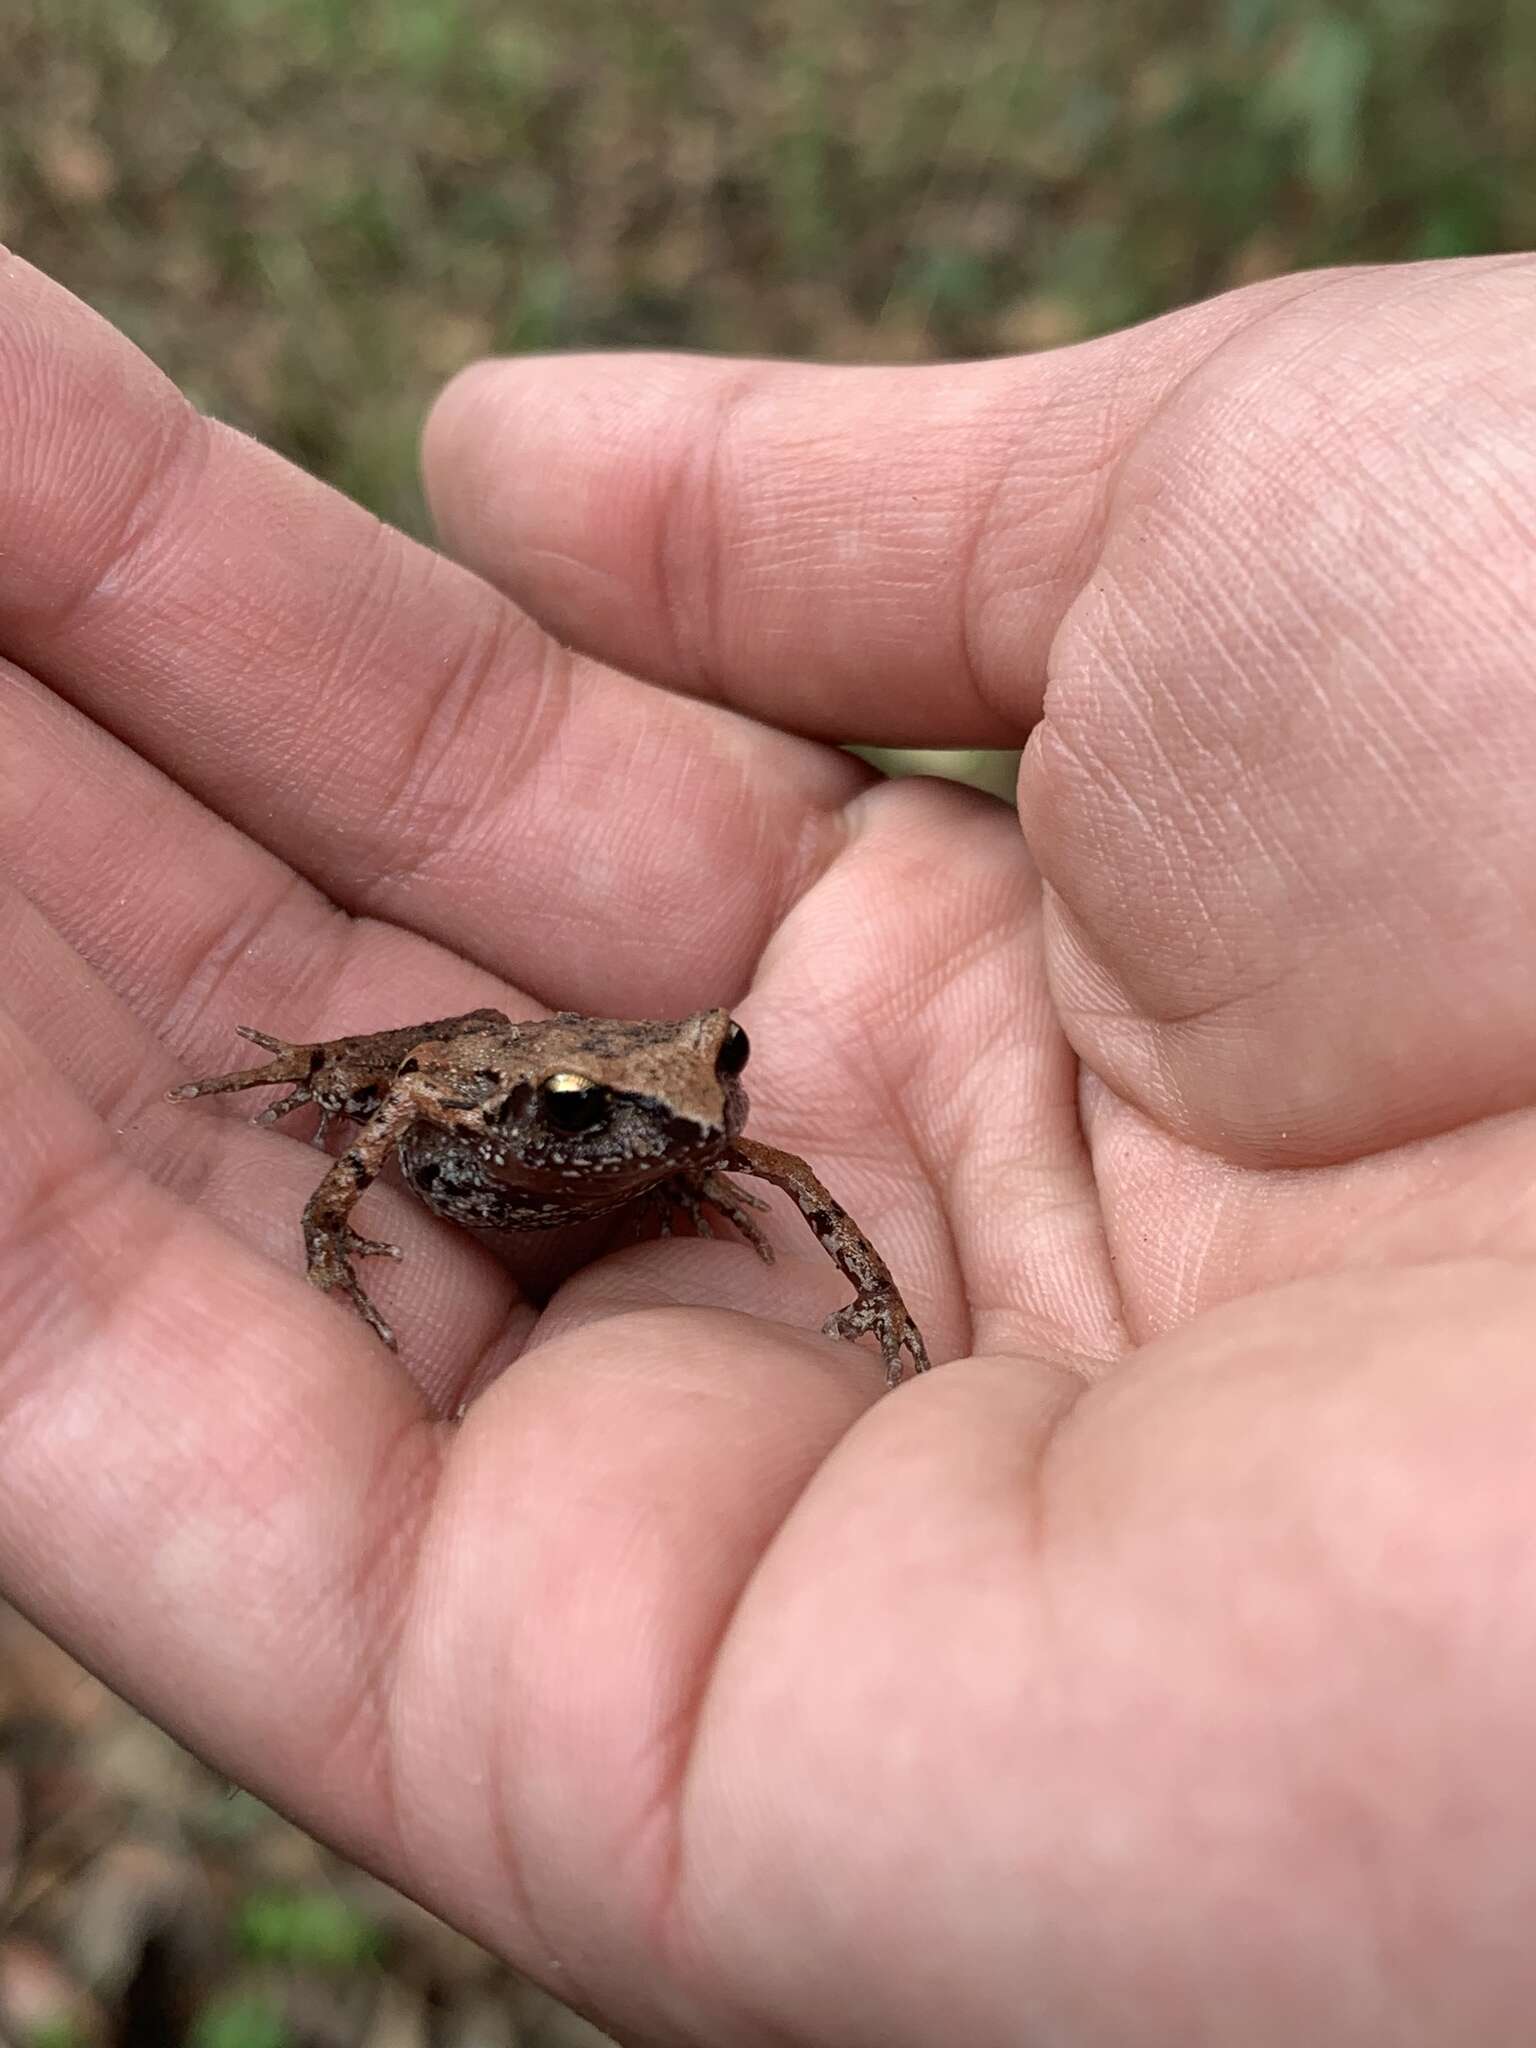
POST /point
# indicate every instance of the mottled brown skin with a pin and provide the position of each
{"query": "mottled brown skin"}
(505, 1126)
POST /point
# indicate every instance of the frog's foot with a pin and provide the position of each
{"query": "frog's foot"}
(713, 1191)
(295, 1063)
(880, 1312)
(735, 1205)
(328, 1269)
(682, 1196)
(342, 1077)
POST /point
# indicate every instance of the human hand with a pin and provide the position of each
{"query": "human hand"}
(1159, 1671)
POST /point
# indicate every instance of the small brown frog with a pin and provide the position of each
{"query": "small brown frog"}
(505, 1126)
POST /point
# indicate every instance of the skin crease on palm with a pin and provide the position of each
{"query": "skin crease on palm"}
(1161, 1668)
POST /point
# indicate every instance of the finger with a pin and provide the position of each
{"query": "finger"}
(868, 554)
(388, 725)
(190, 922)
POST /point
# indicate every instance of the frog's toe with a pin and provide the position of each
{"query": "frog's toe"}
(330, 1272)
(265, 1040)
(372, 1318)
(369, 1313)
(371, 1247)
(885, 1318)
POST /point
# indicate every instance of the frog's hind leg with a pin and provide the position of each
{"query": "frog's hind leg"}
(342, 1076)
(298, 1064)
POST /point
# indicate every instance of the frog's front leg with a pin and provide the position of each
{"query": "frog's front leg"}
(330, 1242)
(693, 1193)
(341, 1076)
(877, 1307)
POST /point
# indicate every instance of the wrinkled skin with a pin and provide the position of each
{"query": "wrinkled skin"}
(1163, 1666)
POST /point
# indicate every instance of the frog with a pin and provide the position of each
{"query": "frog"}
(506, 1126)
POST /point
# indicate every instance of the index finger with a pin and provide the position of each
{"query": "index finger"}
(863, 554)
(386, 722)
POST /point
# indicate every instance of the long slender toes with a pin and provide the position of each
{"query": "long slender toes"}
(290, 1064)
(328, 1280)
(891, 1327)
(913, 1344)
(190, 1090)
(734, 1203)
(375, 1321)
(371, 1247)
(372, 1318)
(278, 1045)
(276, 1111)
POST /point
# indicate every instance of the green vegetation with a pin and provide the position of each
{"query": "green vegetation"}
(311, 211)
(56, 2034)
(315, 1930)
(242, 2022)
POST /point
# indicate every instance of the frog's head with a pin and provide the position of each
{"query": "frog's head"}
(582, 1104)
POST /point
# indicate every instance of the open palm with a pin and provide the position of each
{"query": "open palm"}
(1162, 1667)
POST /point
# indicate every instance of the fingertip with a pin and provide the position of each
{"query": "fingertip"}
(544, 474)
(452, 474)
(495, 427)
(91, 434)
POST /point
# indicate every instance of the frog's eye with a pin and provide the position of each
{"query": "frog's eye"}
(573, 1103)
(734, 1048)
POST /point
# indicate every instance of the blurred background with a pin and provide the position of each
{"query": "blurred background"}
(310, 212)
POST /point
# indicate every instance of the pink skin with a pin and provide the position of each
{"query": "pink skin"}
(1166, 1670)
